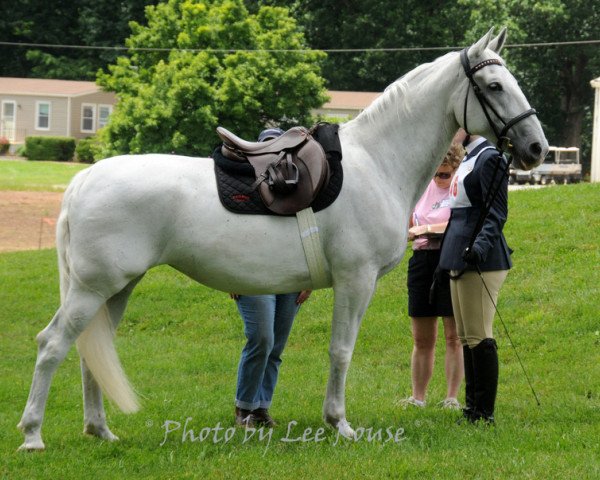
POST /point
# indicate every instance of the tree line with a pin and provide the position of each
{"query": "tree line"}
(555, 78)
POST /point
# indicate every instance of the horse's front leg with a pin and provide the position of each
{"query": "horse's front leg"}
(351, 301)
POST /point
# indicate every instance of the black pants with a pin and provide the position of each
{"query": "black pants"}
(421, 269)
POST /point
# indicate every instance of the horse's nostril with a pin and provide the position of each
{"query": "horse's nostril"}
(536, 149)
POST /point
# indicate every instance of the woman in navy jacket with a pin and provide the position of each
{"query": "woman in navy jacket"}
(473, 309)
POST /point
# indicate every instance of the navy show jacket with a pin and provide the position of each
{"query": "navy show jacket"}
(490, 242)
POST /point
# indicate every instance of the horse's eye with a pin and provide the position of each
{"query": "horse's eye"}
(495, 87)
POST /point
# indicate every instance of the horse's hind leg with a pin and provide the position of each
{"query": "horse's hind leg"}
(54, 343)
(94, 417)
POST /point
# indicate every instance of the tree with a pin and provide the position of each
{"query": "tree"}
(12, 24)
(555, 79)
(378, 24)
(100, 23)
(214, 69)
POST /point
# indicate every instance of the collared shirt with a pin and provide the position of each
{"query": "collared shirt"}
(458, 193)
(433, 207)
(474, 144)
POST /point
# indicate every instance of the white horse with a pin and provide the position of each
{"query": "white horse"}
(127, 214)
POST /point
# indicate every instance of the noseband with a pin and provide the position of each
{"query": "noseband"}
(503, 141)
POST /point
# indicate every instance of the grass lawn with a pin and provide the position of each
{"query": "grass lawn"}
(38, 176)
(180, 345)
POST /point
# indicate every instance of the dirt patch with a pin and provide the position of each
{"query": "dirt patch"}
(28, 220)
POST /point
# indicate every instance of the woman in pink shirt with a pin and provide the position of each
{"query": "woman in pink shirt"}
(427, 226)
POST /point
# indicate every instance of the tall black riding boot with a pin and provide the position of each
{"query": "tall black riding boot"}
(485, 369)
(469, 409)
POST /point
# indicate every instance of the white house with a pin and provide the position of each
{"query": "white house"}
(40, 107)
(345, 105)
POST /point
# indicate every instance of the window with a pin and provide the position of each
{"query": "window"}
(88, 118)
(104, 112)
(42, 115)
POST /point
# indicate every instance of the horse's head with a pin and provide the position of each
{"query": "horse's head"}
(490, 103)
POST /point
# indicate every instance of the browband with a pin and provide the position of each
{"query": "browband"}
(485, 63)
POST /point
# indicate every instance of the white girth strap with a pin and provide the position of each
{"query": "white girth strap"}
(313, 250)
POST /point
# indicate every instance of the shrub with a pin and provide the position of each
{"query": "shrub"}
(21, 151)
(85, 150)
(60, 149)
(4, 145)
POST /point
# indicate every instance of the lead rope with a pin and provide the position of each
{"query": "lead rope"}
(509, 338)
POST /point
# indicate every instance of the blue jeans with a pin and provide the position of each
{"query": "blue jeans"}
(267, 323)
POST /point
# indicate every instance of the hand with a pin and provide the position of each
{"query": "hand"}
(417, 231)
(303, 296)
(471, 256)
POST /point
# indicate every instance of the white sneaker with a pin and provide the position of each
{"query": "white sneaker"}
(405, 402)
(450, 404)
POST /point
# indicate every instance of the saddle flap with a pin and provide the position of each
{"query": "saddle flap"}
(313, 172)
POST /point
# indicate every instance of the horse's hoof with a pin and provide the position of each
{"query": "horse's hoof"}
(101, 432)
(33, 439)
(32, 446)
(345, 430)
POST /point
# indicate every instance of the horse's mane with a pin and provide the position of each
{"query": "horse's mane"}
(398, 93)
(403, 106)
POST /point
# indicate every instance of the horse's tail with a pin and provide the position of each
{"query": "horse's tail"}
(97, 348)
(96, 342)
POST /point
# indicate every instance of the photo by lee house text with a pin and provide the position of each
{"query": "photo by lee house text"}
(293, 434)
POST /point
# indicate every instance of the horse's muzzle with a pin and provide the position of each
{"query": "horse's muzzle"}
(531, 157)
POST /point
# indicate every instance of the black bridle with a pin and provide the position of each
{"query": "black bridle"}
(503, 141)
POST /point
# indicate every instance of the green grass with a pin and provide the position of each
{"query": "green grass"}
(180, 344)
(22, 175)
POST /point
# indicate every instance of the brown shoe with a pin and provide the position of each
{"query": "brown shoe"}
(262, 417)
(244, 418)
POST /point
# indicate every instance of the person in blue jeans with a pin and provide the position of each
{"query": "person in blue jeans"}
(267, 320)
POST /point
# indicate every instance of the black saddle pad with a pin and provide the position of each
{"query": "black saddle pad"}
(235, 179)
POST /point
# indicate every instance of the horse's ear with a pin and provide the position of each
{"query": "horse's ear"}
(497, 43)
(477, 49)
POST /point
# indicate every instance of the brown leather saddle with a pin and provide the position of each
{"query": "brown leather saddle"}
(290, 170)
